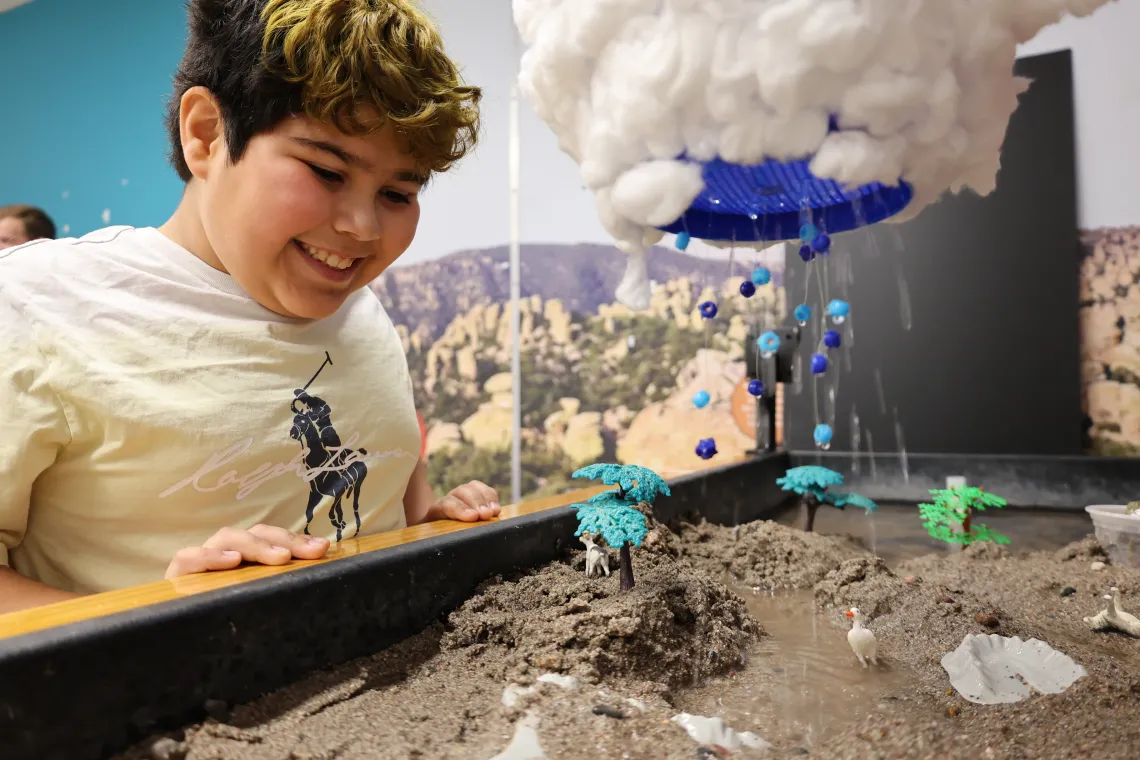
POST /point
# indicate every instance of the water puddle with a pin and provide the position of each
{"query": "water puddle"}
(802, 682)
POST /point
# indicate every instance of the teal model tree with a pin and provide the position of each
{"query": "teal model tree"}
(954, 507)
(613, 515)
(813, 485)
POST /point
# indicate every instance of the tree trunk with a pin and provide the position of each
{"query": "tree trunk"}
(810, 506)
(626, 568)
(966, 524)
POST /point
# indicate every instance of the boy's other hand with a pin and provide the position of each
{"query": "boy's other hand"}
(470, 502)
(229, 547)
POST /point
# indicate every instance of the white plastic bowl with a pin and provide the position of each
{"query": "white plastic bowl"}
(1118, 532)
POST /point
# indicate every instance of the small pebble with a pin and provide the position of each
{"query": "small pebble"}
(989, 621)
(218, 710)
(167, 749)
(609, 712)
(1068, 591)
(945, 600)
(1097, 566)
(909, 579)
(949, 692)
(800, 751)
(952, 711)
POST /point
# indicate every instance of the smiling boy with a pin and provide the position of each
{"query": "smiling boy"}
(224, 388)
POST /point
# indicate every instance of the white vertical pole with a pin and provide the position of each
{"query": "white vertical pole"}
(515, 171)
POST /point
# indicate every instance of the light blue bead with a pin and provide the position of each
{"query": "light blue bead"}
(682, 241)
(701, 399)
(768, 343)
(840, 309)
(823, 434)
(802, 313)
(808, 232)
(761, 276)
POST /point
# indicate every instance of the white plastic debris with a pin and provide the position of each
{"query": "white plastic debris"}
(713, 732)
(992, 669)
(566, 682)
(1113, 618)
(524, 745)
(1097, 566)
(514, 694)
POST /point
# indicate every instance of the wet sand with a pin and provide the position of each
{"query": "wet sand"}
(694, 636)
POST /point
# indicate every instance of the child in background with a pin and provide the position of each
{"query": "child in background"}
(224, 388)
(21, 223)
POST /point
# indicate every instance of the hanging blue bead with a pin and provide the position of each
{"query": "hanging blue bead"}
(832, 339)
(838, 311)
(708, 309)
(818, 364)
(802, 313)
(706, 449)
(808, 232)
(821, 243)
(682, 241)
(822, 435)
(701, 399)
(761, 276)
(756, 388)
(768, 343)
(806, 253)
(747, 289)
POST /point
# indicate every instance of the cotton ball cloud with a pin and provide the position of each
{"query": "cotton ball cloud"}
(920, 91)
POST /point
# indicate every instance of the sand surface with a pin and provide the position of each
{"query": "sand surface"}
(682, 640)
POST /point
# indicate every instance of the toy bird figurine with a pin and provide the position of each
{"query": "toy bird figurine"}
(861, 639)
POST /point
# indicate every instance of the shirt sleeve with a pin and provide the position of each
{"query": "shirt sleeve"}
(33, 430)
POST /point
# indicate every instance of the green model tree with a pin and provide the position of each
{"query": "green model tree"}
(613, 515)
(813, 485)
(954, 507)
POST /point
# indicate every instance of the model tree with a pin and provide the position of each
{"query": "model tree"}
(814, 484)
(954, 507)
(614, 515)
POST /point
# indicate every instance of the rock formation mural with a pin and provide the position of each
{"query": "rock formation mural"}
(599, 382)
(1110, 339)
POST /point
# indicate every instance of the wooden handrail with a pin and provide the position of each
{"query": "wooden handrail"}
(133, 597)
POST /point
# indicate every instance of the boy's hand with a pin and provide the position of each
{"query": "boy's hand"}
(262, 544)
(470, 502)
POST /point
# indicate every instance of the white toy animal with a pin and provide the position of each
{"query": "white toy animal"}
(596, 557)
(1114, 618)
(861, 639)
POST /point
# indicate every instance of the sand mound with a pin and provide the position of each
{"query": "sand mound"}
(675, 626)
(1042, 595)
(765, 554)
(1088, 549)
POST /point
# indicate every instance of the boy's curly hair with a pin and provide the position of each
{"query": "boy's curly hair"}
(266, 60)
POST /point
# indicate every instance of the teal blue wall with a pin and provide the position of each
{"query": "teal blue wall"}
(82, 93)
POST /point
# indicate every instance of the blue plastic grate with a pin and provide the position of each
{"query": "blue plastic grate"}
(771, 201)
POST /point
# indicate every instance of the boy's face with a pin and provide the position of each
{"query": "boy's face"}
(12, 232)
(309, 214)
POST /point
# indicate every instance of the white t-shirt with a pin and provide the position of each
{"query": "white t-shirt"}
(146, 401)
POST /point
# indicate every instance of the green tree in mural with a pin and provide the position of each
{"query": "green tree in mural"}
(949, 518)
(614, 515)
(813, 485)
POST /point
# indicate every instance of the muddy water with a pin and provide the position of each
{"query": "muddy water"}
(895, 533)
(802, 680)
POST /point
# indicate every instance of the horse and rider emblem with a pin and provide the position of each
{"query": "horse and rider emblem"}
(334, 472)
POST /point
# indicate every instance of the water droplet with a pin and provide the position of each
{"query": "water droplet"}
(767, 354)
